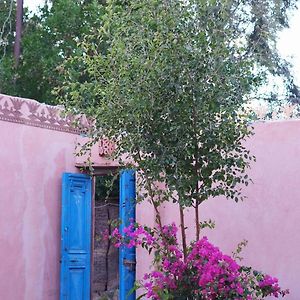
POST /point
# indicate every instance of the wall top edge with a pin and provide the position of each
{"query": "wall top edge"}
(33, 113)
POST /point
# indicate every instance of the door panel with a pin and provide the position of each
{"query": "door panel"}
(127, 214)
(77, 286)
(76, 237)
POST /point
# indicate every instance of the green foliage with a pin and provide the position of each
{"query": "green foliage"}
(106, 187)
(237, 253)
(7, 15)
(7, 29)
(49, 37)
(207, 224)
(167, 80)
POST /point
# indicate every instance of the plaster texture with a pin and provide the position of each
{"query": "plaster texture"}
(37, 146)
(268, 218)
(35, 151)
(32, 162)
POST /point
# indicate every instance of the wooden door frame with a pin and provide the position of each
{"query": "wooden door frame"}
(98, 171)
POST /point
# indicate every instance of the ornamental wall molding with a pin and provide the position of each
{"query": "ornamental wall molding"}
(106, 147)
(32, 113)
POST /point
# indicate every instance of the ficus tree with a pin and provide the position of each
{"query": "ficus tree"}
(167, 82)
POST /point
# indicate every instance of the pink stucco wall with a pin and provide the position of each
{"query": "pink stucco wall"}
(32, 160)
(269, 218)
(38, 144)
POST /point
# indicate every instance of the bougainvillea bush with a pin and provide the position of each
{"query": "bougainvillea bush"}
(203, 273)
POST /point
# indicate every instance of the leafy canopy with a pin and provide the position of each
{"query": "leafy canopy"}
(167, 81)
(49, 37)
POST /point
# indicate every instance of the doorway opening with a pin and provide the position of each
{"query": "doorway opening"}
(105, 257)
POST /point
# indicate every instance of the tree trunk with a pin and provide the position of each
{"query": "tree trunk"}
(19, 21)
(183, 235)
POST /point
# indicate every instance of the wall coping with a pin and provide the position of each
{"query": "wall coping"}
(33, 113)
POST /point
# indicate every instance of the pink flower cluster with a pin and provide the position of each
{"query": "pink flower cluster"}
(205, 273)
(216, 274)
(170, 230)
(269, 285)
(133, 235)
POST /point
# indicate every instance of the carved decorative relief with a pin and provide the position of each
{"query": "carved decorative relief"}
(105, 147)
(33, 113)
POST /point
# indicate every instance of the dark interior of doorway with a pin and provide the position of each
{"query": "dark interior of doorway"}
(105, 270)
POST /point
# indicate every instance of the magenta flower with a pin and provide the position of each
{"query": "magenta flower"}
(205, 274)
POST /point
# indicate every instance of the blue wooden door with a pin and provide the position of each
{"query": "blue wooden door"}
(127, 259)
(76, 237)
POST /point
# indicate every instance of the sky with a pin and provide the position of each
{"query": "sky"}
(289, 44)
(33, 4)
(288, 41)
